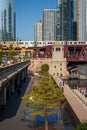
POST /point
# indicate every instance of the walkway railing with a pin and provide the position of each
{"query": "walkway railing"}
(78, 105)
(12, 69)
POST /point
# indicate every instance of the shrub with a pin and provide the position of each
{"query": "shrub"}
(45, 68)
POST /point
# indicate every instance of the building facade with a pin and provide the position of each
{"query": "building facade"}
(38, 31)
(82, 20)
(59, 63)
(49, 24)
(65, 20)
(7, 20)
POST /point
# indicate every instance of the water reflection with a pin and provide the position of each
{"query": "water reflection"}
(61, 118)
(41, 119)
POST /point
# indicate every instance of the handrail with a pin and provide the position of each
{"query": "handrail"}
(7, 70)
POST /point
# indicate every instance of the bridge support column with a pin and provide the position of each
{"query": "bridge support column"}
(12, 85)
(22, 76)
(3, 98)
(24, 73)
(18, 80)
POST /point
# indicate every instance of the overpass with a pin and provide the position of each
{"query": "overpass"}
(10, 79)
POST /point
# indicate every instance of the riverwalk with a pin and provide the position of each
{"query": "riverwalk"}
(12, 117)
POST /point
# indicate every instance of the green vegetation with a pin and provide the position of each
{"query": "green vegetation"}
(45, 98)
(45, 68)
(82, 126)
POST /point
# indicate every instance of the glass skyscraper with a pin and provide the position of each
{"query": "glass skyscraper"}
(65, 20)
(7, 20)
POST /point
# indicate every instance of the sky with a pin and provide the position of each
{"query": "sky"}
(28, 12)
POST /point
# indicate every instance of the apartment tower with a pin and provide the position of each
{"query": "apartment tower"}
(49, 24)
(82, 20)
(38, 31)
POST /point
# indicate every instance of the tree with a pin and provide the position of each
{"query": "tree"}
(11, 47)
(45, 98)
(45, 68)
(82, 126)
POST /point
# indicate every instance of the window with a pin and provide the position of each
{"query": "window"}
(54, 74)
(61, 75)
(61, 69)
(55, 66)
(58, 49)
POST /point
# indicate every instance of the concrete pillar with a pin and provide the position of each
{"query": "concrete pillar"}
(3, 97)
(18, 80)
(25, 74)
(4, 102)
(22, 76)
(12, 85)
(26, 70)
(8, 85)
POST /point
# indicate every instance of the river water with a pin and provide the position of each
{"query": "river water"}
(60, 119)
(73, 84)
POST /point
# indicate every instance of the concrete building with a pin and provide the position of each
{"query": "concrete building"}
(82, 20)
(65, 19)
(7, 20)
(49, 24)
(59, 63)
(38, 31)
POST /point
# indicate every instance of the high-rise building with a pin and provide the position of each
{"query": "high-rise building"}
(82, 20)
(7, 20)
(49, 24)
(38, 31)
(75, 18)
(59, 20)
(65, 19)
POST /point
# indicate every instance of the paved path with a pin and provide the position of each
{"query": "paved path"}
(77, 105)
(80, 96)
(10, 118)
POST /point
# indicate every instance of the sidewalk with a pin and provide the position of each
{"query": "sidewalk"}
(10, 118)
